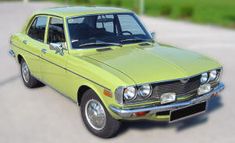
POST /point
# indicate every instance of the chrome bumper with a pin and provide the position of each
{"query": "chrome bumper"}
(12, 53)
(126, 113)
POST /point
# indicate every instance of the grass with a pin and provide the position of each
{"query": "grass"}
(217, 12)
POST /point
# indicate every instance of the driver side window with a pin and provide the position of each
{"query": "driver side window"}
(56, 31)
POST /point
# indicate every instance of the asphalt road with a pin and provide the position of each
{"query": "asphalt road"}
(44, 116)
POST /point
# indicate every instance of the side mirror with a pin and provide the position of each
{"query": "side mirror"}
(153, 34)
(58, 47)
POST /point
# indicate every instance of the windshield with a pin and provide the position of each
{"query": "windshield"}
(105, 30)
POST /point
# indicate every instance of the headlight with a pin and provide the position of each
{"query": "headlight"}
(129, 93)
(204, 78)
(212, 75)
(145, 91)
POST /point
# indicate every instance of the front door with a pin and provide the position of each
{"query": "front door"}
(53, 67)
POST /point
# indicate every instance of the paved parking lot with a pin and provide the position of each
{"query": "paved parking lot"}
(44, 116)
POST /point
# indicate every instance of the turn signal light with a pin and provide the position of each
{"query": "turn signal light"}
(140, 114)
(215, 94)
(107, 93)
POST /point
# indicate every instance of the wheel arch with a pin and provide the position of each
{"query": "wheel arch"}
(20, 58)
(83, 88)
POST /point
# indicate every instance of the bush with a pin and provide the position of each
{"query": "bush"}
(165, 10)
(108, 2)
(118, 3)
(186, 11)
(79, 1)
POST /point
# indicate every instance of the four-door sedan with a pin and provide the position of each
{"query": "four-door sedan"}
(108, 62)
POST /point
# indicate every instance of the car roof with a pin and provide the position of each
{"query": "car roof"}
(72, 11)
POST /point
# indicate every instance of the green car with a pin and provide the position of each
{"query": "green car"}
(106, 61)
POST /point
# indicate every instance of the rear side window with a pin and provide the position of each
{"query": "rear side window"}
(56, 31)
(37, 29)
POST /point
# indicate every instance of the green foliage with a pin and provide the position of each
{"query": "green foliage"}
(186, 11)
(165, 10)
(108, 2)
(219, 12)
(118, 3)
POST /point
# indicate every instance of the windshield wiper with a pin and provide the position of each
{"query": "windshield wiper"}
(100, 44)
(137, 40)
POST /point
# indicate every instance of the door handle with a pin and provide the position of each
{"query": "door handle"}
(25, 42)
(44, 51)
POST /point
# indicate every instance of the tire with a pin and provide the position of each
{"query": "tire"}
(110, 126)
(28, 79)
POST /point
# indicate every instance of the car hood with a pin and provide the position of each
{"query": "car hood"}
(145, 64)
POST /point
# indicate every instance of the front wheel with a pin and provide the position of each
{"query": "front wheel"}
(96, 117)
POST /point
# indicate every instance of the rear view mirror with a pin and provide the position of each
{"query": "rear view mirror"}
(153, 34)
(58, 48)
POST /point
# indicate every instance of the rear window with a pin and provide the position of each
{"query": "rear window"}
(37, 28)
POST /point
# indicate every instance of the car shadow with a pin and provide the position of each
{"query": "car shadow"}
(214, 104)
(9, 80)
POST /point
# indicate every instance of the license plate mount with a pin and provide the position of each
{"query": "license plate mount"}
(187, 112)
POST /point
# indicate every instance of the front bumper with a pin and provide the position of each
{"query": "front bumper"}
(127, 113)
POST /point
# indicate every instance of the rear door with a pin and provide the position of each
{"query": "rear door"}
(54, 65)
(34, 42)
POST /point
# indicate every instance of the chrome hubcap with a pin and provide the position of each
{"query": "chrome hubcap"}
(95, 114)
(25, 72)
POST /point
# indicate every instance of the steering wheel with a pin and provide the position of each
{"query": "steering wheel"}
(127, 32)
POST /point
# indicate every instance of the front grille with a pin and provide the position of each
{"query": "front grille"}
(178, 87)
(184, 90)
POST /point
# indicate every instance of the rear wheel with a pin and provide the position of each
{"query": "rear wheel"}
(27, 78)
(96, 118)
